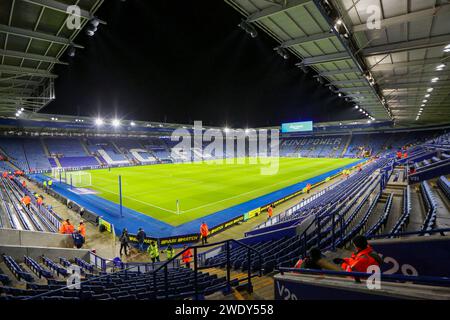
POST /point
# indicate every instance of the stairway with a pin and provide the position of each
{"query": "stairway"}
(57, 162)
(263, 287)
(44, 146)
(347, 144)
(85, 148)
(99, 161)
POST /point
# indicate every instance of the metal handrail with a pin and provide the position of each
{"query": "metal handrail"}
(409, 233)
(387, 277)
(196, 266)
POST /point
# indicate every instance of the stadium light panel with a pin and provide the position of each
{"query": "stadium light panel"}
(282, 53)
(99, 121)
(116, 122)
(71, 52)
(132, 124)
(248, 28)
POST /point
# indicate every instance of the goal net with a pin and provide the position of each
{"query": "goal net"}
(74, 178)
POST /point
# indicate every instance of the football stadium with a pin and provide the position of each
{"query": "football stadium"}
(224, 150)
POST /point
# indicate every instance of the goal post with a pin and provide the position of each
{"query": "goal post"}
(79, 178)
(75, 178)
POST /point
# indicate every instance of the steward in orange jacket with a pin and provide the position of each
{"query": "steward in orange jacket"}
(363, 258)
(269, 212)
(204, 232)
(39, 201)
(186, 257)
(62, 227)
(26, 201)
(69, 228)
(82, 229)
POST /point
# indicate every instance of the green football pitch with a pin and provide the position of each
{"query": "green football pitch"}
(201, 188)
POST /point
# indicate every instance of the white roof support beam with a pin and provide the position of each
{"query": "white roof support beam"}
(275, 9)
(27, 71)
(363, 88)
(305, 39)
(61, 7)
(414, 63)
(442, 40)
(325, 58)
(30, 56)
(413, 85)
(20, 82)
(412, 75)
(418, 15)
(337, 72)
(345, 82)
(37, 35)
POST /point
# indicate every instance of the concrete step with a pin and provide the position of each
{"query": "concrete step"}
(262, 286)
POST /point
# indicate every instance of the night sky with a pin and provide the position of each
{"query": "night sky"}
(180, 61)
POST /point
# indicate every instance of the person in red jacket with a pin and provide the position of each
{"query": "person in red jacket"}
(186, 256)
(269, 212)
(204, 232)
(363, 258)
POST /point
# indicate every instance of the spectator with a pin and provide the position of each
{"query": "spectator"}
(153, 250)
(141, 239)
(363, 258)
(78, 239)
(315, 260)
(124, 242)
(117, 263)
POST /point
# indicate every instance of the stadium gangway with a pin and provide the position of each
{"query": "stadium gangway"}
(313, 232)
(49, 218)
(422, 280)
(222, 245)
(41, 212)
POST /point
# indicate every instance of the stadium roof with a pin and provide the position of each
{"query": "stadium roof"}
(386, 71)
(33, 38)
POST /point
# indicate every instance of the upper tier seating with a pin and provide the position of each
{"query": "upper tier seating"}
(66, 147)
(78, 162)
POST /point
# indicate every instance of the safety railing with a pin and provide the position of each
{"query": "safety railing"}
(423, 280)
(199, 264)
(440, 231)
